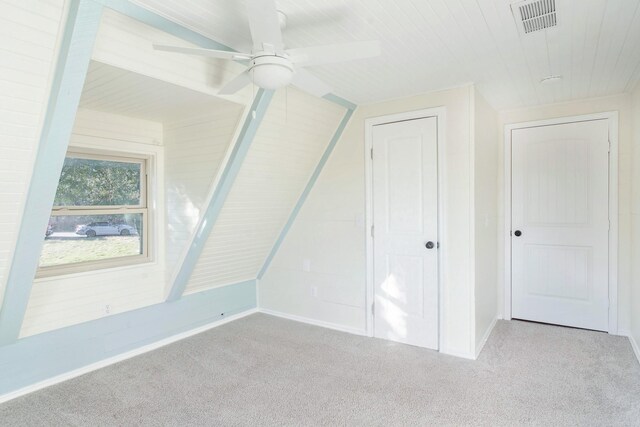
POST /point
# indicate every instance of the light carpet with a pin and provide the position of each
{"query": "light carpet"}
(263, 370)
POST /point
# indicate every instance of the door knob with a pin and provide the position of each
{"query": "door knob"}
(518, 233)
(429, 245)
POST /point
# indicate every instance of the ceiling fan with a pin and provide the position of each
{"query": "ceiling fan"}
(271, 66)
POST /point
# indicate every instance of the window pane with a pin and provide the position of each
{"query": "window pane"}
(89, 182)
(78, 238)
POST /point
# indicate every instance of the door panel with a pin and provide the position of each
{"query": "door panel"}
(404, 168)
(405, 209)
(556, 183)
(560, 178)
(558, 271)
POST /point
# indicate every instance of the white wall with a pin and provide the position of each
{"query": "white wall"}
(56, 302)
(286, 149)
(329, 235)
(485, 148)
(194, 151)
(622, 104)
(29, 33)
(635, 209)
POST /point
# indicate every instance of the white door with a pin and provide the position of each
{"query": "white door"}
(405, 219)
(560, 224)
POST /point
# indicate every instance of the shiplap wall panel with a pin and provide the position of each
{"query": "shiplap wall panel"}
(29, 33)
(126, 43)
(57, 302)
(293, 135)
(101, 125)
(194, 150)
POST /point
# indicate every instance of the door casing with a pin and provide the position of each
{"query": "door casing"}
(612, 118)
(440, 114)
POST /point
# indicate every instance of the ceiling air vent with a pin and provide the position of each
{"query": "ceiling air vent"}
(532, 16)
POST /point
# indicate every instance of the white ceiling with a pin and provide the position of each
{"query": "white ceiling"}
(114, 90)
(434, 44)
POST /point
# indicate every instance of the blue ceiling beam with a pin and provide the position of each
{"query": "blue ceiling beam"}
(310, 184)
(340, 101)
(71, 69)
(145, 16)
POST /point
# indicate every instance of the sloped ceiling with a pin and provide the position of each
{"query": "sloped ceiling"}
(114, 90)
(434, 44)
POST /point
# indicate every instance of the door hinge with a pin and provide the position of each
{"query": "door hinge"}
(609, 146)
(373, 309)
(372, 233)
(372, 154)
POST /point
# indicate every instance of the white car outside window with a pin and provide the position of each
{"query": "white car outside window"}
(106, 229)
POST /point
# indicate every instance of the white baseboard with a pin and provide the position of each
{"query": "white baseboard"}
(356, 331)
(123, 356)
(486, 336)
(634, 346)
(314, 322)
(454, 353)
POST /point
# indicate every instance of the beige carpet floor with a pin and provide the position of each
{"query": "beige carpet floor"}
(263, 370)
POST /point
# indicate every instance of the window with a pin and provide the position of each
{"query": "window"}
(100, 217)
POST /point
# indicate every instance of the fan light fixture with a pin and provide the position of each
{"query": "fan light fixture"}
(271, 66)
(271, 72)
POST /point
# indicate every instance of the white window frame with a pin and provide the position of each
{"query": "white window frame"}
(144, 208)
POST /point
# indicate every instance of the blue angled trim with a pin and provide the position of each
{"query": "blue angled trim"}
(340, 101)
(307, 190)
(71, 69)
(240, 149)
(154, 20)
(44, 356)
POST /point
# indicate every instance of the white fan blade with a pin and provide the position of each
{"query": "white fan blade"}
(222, 54)
(237, 83)
(264, 24)
(303, 79)
(320, 55)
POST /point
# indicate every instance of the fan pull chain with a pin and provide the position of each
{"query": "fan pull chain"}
(253, 94)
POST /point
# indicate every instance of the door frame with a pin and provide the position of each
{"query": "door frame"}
(612, 118)
(440, 114)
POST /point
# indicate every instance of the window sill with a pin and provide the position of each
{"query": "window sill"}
(67, 272)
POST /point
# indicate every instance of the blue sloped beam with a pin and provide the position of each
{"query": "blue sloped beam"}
(69, 75)
(310, 184)
(239, 152)
(340, 101)
(145, 16)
